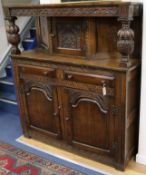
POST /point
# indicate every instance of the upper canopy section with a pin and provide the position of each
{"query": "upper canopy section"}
(14, 3)
(78, 8)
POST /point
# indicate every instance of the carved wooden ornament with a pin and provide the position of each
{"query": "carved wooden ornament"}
(13, 36)
(125, 43)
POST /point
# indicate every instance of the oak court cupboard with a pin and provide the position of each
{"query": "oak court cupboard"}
(79, 89)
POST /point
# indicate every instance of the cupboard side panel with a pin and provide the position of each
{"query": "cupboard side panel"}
(133, 96)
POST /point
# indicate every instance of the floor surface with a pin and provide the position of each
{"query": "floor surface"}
(10, 130)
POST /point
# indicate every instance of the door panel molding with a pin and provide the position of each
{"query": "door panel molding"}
(28, 86)
(80, 96)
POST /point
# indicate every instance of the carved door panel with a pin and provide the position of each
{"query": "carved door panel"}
(88, 120)
(41, 106)
(69, 35)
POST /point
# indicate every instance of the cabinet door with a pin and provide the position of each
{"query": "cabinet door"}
(88, 120)
(69, 36)
(40, 102)
(42, 110)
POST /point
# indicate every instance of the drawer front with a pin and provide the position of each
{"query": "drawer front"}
(47, 72)
(90, 78)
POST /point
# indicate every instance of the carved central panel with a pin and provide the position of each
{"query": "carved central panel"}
(69, 35)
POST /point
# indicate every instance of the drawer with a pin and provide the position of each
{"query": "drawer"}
(48, 72)
(90, 78)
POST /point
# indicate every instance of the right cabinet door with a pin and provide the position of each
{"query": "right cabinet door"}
(88, 120)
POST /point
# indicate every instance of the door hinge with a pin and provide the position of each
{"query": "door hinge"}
(115, 110)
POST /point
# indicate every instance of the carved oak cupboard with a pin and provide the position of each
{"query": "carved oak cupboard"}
(80, 88)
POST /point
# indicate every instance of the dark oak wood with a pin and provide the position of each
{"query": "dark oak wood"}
(79, 89)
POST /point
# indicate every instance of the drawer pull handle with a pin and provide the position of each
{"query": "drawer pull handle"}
(69, 76)
(46, 73)
(67, 118)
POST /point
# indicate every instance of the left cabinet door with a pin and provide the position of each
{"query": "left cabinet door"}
(39, 98)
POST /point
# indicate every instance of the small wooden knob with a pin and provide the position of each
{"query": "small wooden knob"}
(67, 118)
(69, 76)
(46, 73)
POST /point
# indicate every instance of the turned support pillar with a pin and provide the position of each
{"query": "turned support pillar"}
(125, 42)
(13, 34)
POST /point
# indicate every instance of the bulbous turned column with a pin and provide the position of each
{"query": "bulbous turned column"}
(125, 43)
(13, 34)
(125, 36)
